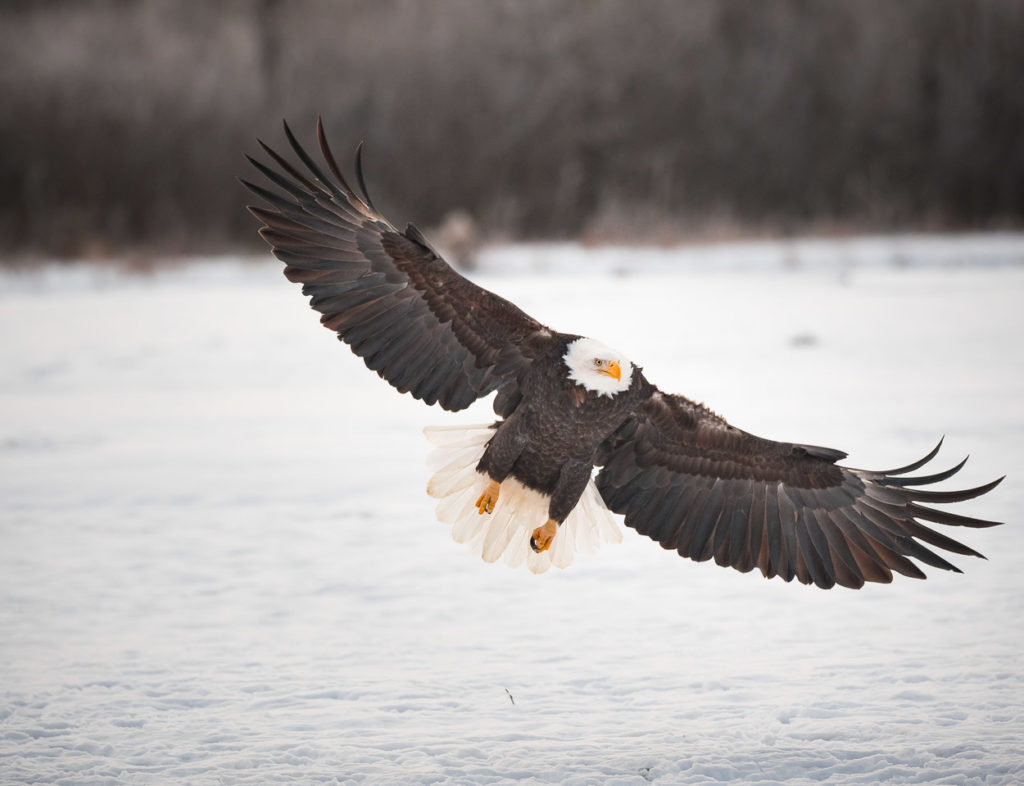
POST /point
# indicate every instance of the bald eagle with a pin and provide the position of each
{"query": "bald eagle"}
(524, 488)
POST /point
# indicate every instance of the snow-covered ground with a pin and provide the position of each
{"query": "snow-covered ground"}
(218, 564)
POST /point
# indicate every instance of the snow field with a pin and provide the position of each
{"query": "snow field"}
(218, 562)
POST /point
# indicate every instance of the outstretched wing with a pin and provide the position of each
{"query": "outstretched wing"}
(687, 479)
(389, 296)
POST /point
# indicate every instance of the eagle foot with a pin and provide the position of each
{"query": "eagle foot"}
(541, 538)
(487, 500)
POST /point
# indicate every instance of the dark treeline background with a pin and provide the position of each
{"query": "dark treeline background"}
(123, 120)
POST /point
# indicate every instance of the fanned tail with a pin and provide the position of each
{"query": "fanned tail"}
(505, 533)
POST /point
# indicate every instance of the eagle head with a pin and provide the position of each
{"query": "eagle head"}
(598, 368)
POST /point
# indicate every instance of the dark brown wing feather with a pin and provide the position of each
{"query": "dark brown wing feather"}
(388, 295)
(687, 479)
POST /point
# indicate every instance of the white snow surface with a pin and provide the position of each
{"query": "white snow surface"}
(219, 565)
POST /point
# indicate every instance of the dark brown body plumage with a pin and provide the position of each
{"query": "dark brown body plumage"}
(572, 423)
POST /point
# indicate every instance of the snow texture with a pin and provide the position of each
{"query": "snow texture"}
(219, 565)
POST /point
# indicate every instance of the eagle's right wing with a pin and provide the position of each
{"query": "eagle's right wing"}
(686, 478)
(420, 325)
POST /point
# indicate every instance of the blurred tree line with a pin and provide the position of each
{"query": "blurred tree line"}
(123, 120)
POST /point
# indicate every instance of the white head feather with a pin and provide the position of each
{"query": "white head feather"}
(588, 362)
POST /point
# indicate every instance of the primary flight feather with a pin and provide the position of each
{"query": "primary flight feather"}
(523, 488)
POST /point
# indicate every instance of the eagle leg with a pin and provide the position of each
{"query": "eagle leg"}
(487, 500)
(542, 536)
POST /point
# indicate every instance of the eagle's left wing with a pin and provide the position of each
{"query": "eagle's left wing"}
(387, 294)
(686, 478)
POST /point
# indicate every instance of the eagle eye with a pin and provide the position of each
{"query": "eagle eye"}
(598, 362)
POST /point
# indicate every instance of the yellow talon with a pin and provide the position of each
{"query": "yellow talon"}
(542, 536)
(487, 500)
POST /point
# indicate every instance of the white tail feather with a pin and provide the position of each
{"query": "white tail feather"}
(505, 533)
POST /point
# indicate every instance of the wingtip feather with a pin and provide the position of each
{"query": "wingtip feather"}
(325, 150)
(919, 463)
(360, 179)
(923, 480)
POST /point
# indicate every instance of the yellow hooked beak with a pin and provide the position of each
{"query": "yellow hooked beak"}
(612, 370)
